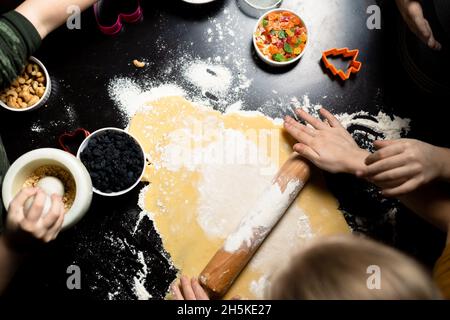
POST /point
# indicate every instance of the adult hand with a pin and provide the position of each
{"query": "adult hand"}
(189, 290)
(412, 13)
(401, 166)
(28, 227)
(327, 144)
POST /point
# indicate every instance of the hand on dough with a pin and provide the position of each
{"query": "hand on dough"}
(327, 144)
(189, 289)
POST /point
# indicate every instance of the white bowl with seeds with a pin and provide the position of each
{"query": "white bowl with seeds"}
(30, 90)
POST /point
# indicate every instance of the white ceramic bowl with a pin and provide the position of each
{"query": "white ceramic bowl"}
(86, 142)
(255, 11)
(270, 61)
(43, 100)
(22, 168)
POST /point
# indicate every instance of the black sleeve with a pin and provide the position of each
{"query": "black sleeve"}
(19, 39)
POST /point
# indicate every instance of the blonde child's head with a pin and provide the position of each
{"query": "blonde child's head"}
(350, 267)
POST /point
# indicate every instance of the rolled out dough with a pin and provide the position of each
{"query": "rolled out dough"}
(196, 204)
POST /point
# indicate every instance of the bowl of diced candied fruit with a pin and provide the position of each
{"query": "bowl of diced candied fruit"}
(280, 37)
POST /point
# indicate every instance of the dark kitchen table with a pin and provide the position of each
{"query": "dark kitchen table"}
(106, 243)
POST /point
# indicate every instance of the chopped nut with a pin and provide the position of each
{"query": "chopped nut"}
(12, 93)
(40, 92)
(138, 64)
(33, 101)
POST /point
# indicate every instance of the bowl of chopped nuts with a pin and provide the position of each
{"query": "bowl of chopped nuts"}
(29, 91)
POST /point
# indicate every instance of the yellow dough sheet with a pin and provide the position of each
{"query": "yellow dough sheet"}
(195, 201)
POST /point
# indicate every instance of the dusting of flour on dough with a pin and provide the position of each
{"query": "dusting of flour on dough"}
(267, 211)
(260, 287)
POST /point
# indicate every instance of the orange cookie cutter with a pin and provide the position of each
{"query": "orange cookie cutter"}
(353, 67)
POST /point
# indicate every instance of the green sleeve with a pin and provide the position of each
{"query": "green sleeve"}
(19, 39)
(3, 168)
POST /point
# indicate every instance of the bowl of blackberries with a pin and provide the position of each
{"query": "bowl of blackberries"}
(114, 159)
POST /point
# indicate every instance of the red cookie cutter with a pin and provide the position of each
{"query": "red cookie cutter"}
(353, 67)
(72, 139)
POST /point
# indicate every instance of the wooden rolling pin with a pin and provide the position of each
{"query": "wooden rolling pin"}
(240, 246)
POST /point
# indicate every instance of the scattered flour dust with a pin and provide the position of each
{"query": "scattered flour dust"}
(139, 280)
(125, 93)
(390, 127)
(214, 78)
(129, 96)
(36, 128)
(382, 125)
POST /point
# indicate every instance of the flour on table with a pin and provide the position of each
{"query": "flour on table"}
(390, 127)
(139, 280)
(36, 128)
(161, 91)
(237, 106)
(125, 93)
(382, 125)
(218, 80)
(214, 78)
(129, 96)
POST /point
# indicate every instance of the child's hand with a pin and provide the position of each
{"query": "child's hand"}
(401, 166)
(25, 228)
(189, 290)
(412, 13)
(327, 144)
